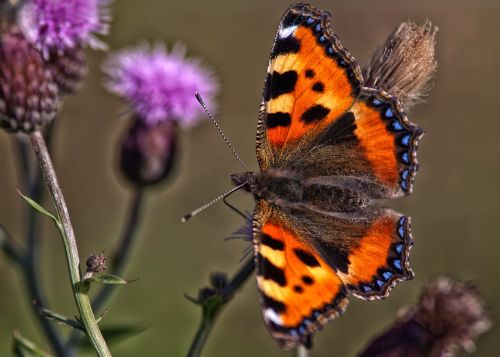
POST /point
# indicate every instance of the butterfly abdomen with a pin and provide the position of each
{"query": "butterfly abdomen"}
(287, 189)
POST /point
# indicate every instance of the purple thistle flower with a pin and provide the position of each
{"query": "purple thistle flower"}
(61, 24)
(161, 85)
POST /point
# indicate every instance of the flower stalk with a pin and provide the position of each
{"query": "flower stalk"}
(71, 251)
(213, 305)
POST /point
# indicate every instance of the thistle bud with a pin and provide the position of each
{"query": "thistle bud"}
(450, 315)
(28, 93)
(68, 69)
(405, 64)
(148, 151)
(96, 263)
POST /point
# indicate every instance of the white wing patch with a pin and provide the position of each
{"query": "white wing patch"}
(271, 315)
(285, 32)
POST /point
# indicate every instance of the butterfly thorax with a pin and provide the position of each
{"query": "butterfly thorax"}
(289, 189)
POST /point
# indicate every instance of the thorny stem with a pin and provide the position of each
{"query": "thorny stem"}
(209, 317)
(120, 258)
(71, 250)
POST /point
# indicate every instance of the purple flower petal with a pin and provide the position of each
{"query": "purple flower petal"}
(161, 85)
(59, 24)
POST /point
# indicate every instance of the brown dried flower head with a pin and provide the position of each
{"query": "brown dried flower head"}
(449, 316)
(28, 94)
(405, 64)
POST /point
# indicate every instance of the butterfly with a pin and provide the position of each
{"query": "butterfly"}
(328, 148)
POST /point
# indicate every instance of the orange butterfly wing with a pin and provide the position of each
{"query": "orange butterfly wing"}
(299, 290)
(316, 118)
(307, 263)
(311, 81)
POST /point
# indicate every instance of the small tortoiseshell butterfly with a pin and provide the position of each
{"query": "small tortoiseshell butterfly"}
(327, 148)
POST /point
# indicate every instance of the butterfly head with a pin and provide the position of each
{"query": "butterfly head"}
(248, 179)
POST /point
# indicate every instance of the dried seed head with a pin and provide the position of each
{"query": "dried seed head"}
(455, 312)
(28, 93)
(405, 64)
(68, 68)
(449, 315)
(148, 151)
(96, 263)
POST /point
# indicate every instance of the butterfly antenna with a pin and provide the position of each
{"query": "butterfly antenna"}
(202, 103)
(208, 204)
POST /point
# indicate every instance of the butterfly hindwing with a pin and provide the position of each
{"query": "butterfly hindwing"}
(371, 148)
(308, 261)
(299, 291)
(311, 81)
(380, 258)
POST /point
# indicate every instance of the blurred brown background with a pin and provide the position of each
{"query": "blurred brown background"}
(454, 209)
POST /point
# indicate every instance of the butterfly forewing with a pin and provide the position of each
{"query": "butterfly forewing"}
(311, 81)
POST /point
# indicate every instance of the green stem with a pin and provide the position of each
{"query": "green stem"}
(71, 251)
(119, 260)
(210, 315)
(302, 351)
(33, 183)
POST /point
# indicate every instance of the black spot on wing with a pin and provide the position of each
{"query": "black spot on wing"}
(269, 271)
(315, 113)
(307, 280)
(272, 243)
(340, 131)
(310, 73)
(280, 83)
(278, 119)
(318, 87)
(285, 46)
(274, 304)
(306, 258)
(298, 289)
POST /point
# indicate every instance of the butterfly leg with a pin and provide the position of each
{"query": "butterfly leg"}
(233, 207)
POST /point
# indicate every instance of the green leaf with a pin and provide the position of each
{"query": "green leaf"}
(107, 279)
(42, 210)
(61, 319)
(115, 334)
(22, 347)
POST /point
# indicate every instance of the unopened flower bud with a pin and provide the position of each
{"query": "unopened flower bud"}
(218, 280)
(148, 151)
(205, 293)
(28, 93)
(96, 263)
(68, 68)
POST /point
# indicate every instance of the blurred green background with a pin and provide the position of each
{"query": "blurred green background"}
(455, 207)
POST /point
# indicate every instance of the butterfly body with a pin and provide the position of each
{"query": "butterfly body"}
(328, 148)
(288, 189)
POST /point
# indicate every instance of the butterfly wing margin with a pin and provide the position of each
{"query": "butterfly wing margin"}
(299, 291)
(311, 81)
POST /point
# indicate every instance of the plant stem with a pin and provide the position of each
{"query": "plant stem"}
(9, 247)
(33, 182)
(227, 293)
(71, 251)
(302, 351)
(120, 258)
